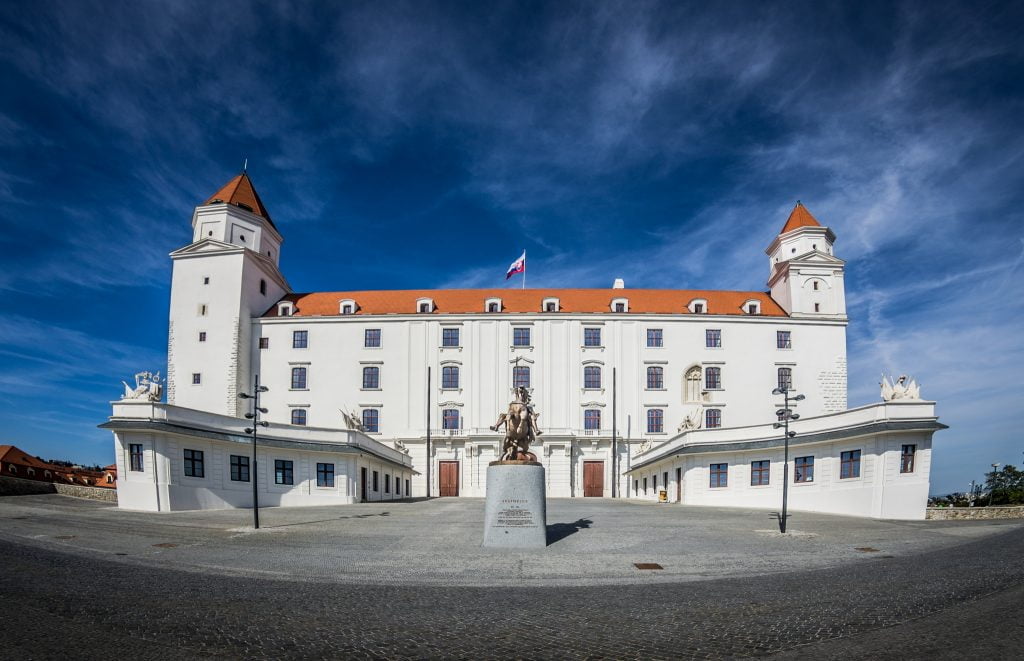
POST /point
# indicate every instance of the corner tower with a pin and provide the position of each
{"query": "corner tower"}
(805, 278)
(227, 276)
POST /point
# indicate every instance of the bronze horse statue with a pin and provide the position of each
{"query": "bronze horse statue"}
(520, 422)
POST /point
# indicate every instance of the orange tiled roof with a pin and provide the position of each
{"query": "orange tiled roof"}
(240, 191)
(800, 217)
(15, 455)
(468, 301)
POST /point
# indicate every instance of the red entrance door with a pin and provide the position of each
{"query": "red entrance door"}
(448, 474)
(593, 479)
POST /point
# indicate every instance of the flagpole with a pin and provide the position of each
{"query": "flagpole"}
(524, 269)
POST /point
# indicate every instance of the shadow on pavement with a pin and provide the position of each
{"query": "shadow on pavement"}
(559, 531)
(337, 518)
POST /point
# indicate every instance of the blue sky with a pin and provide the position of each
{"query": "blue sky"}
(406, 145)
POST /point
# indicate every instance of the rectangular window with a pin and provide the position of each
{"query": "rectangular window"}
(645, 486)
(655, 378)
(592, 377)
(283, 472)
(803, 469)
(387, 483)
(194, 463)
(325, 475)
(785, 378)
(759, 471)
(655, 421)
(783, 340)
(591, 337)
(450, 419)
(713, 378)
(636, 487)
(371, 337)
(298, 416)
(206, 280)
(713, 418)
(135, 457)
(202, 336)
(407, 488)
(592, 419)
(202, 310)
(907, 455)
(298, 378)
(654, 484)
(197, 378)
(376, 481)
(520, 337)
(449, 337)
(521, 376)
(719, 475)
(371, 420)
(450, 377)
(371, 378)
(713, 338)
(239, 468)
(264, 343)
(654, 338)
(300, 339)
(849, 464)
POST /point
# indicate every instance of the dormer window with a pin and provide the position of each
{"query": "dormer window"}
(285, 309)
(347, 306)
(698, 306)
(752, 307)
(620, 305)
(550, 305)
(424, 305)
(493, 305)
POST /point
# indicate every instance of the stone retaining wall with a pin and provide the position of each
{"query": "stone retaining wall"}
(1004, 512)
(13, 486)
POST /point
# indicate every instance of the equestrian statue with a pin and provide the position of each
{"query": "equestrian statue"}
(520, 422)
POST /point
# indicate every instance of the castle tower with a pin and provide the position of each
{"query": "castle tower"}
(225, 277)
(805, 278)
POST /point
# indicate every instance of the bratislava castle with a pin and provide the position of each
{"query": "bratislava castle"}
(642, 393)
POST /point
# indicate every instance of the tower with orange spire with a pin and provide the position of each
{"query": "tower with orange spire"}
(805, 278)
(227, 276)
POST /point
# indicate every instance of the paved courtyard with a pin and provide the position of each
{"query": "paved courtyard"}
(410, 580)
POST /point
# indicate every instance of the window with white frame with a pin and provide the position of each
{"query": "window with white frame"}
(654, 337)
(591, 337)
(698, 306)
(371, 338)
(300, 339)
(783, 339)
(655, 377)
(371, 378)
(450, 377)
(371, 420)
(299, 380)
(713, 338)
(521, 336)
(592, 377)
(550, 305)
(655, 421)
(299, 417)
(713, 418)
(713, 378)
(592, 419)
(521, 376)
(449, 337)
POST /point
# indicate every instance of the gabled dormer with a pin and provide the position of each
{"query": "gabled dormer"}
(806, 279)
(235, 214)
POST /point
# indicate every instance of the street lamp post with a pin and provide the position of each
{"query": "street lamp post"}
(254, 415)
(786, 414)
(992, 485)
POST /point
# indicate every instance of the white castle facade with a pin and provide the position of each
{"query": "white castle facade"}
(384, 395)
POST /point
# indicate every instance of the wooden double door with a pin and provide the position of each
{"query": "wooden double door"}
(448, 478)
(593, 479)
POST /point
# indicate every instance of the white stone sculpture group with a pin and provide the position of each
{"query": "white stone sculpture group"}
(147, 388)
(902, 388)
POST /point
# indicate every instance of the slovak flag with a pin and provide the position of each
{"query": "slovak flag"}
(518, 266)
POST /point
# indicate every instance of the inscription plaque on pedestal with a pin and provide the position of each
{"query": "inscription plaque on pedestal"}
(515, 515)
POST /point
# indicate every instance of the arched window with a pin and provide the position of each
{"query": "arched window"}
(713, 378)
(371, 378)
(785, 378)
(655, 421)
(450, 419)
(592, 377)
(655, 378)
(713, 418)
(371, 420)
(298, 416)
(592, 419)
(450, 377)
(692, 387)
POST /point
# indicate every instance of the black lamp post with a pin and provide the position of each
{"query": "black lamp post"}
(786, 414)
(254, 415)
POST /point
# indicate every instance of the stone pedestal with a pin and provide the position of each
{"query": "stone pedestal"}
(515, 515)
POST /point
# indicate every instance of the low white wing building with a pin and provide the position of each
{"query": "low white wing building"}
(379, 395)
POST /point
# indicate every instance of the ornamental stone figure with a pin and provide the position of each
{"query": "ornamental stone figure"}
(902, 388)
(147, 388)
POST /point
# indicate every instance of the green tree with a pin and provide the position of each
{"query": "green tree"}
(1006, 486)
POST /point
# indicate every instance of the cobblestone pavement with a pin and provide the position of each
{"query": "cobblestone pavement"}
(937, 601)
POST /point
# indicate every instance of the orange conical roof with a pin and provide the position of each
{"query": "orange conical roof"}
(800, 217)
(241, 193)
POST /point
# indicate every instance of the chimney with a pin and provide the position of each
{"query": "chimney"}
(619, 284)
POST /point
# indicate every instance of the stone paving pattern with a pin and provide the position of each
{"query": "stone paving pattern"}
(936, 599)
